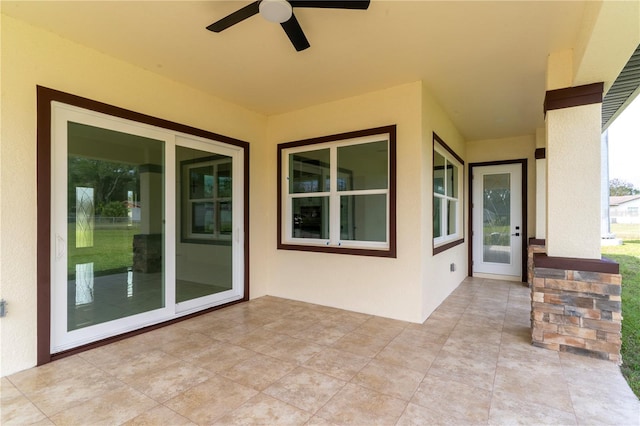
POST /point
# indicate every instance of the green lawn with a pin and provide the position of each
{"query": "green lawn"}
(626, 231)
(628, 256)
(112, 249)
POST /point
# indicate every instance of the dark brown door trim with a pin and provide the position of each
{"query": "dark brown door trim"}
(523, 162)
(43, 259)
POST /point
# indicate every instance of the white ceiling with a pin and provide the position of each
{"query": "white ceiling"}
(485, 62)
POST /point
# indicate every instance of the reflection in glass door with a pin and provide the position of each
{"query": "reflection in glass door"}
(114, 234)
(204, 255)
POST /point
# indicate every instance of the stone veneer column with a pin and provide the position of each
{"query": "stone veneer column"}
(576, 306)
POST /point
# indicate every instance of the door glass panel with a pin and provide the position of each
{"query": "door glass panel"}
(115, 193)
(363, 217)
(497, 218)
(204, 259)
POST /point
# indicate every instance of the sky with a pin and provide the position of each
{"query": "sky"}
(624, 145)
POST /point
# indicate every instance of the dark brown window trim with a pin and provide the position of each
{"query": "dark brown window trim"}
(604, 265)
(442, 143)
(391, 252)
(447, 246)
(541, 153)
(525, 203)
(43, 273)
(573, 96)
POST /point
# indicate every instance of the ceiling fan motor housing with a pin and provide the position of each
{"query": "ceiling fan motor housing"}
(277, 11)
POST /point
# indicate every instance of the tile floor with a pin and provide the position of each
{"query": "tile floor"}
(273, 361)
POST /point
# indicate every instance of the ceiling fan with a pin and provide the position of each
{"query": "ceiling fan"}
(281, 11)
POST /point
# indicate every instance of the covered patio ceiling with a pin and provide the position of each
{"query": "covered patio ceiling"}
(485, 61)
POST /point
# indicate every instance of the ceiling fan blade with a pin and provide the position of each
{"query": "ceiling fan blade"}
(332, 4)
(237, 16)
(295, 33)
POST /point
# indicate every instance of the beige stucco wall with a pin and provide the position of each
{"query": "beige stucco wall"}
(437, 279)
(514, 148)
(388, 287)
(31, 57)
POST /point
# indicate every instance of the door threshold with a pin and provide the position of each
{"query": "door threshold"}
(516, 278)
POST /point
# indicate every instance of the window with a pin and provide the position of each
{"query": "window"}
(337, 193)
(206, 199)
(447, 196)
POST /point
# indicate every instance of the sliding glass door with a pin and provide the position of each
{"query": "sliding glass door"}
(146, 225)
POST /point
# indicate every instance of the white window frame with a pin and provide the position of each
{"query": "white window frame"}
(215, 199)
(334, 243)
(446, 241)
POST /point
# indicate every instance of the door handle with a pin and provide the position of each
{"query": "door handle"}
(517, 234)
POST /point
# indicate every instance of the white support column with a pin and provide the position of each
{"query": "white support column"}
(541, 184)
(605, 227)
(573, 122)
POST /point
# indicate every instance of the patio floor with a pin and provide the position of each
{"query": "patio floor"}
(275, 361)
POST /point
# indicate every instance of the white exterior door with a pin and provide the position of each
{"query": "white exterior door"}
(497, 213)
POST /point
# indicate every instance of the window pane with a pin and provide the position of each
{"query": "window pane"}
(201, 182)
(309, 171)
(363, 217)
(437, 217)
(202, 218)
(452, 180)
(452, 209)
(363, 166)
(224, 180)
(311, 217)
(438, 173)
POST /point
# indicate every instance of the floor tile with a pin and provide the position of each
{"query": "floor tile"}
(71, 391)
(305, 389)
(466, 362)
(389, 379)
(208, 401)
(259, 371)
(361, 344)
(114, 407)
(15, 408)
(339, 364)
(355, 405)
(416, 415)
(159, 416)
(265, 410)
(448, 401)
(414, 357)
(220, 357)
(539, 382)
(512, 411)
(168, 381)
(292, 350)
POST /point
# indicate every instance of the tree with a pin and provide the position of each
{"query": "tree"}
(111, 182)
(619, 187)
